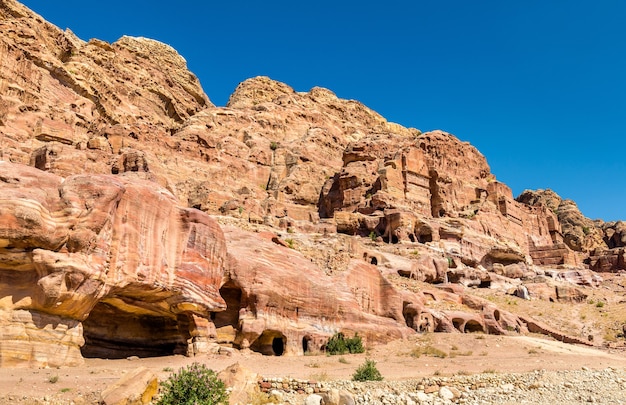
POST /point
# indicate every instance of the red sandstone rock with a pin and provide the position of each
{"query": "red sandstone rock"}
(279, 299)
(125, 141)
(95, 249)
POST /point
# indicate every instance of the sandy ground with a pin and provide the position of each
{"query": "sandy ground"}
(466, 354)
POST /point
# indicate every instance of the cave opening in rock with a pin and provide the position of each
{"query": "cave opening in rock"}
(114, 333)
(270, 343)
(374, 261)
(306, 344)
(278, 345)
(425, 236)
(410, 313)
(472, 326)
(231, 293)
(227, 322)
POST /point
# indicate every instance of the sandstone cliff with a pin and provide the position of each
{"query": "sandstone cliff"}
(138, 218)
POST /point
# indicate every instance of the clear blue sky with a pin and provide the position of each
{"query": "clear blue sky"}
(539, 87)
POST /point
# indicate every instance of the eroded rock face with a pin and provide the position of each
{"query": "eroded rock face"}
(282, 303)
(115, 253)
(56, 87)
(107, 248)
(579, 233)
(433, 189)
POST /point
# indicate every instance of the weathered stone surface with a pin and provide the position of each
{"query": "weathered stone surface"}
(608, 260)
(91, 249)
(138, 387)
(241, 381)
(109, 225)
(279, 299)
(579, 233)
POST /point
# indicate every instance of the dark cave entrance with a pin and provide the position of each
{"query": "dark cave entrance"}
(458, 323)
(112, 333)
(305, 344)
(278, 345)
(227, 322)
(410, 314)
(231, 293)
(425, 236)
(473, 326)
(270, 343)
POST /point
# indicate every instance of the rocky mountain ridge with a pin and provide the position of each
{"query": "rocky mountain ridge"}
(132, 207)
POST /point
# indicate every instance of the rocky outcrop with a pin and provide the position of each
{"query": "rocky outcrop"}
(433, 189)
(113, 162)
(579, 233)
(55, 86)
(137, 387)
(279, 302)
(89, 254)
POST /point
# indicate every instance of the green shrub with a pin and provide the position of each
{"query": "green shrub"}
(193, 385)
(355, 344)
(338, 344)
(273, 145)
(367, 372)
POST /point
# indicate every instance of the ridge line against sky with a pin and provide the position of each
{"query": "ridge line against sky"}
(537, 87)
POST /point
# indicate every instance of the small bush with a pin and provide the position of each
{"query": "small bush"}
(193, 385)
(273, 145)
(429, 351)
(53, 379)
(599, 304)
(355, 344)
(338, 344)
(367, 372)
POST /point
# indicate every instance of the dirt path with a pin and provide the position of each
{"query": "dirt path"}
(464, 354)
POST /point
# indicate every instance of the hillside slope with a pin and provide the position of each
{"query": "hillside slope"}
(137, 217)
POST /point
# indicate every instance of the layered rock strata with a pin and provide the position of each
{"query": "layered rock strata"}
(114, 164)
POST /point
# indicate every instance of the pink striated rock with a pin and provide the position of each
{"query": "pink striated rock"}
(104, 250)
(277, 299)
